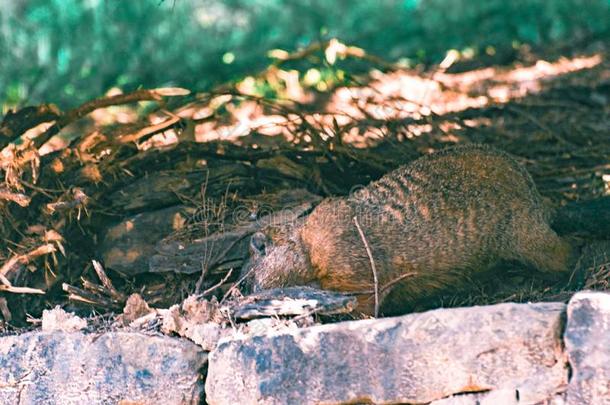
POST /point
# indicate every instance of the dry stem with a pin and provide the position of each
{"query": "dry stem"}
(25, 258)
(373, 268)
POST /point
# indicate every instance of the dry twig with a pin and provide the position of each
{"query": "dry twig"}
(6, 313)
(21, 290)
(13, 263)
(373, 268)
(106, 282)
(221, 282)
(78, 294)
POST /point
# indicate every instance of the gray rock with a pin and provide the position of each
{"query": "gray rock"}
(587, 343)
(75, 368)
(57, 319)
(415, 358)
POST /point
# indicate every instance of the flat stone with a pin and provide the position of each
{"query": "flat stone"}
(108, 368)
(415, 358)
(587, 343)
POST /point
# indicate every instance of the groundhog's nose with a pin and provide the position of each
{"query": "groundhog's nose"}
(258, 242)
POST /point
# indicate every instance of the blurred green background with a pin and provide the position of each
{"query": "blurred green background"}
(69, 51)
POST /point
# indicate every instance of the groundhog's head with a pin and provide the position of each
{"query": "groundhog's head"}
(277, 259)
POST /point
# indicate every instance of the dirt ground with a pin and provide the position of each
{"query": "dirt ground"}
(223, 157)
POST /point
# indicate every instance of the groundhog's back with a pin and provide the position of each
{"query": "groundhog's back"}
(432, 224)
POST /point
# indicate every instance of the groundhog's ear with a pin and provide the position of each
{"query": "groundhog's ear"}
(258, 242)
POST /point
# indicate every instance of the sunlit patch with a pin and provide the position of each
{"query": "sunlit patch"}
(418, 130)
(270, 125)
(343, 111)
(606, 180)
(312, 77)
(92, 173)
(37, 130)
(278, 54)
(57, 166)
(450, 138)
(228, 58)
(54, 144)
(178, 221)
(507, 84)
(389, 96)
(218, 101)
(544, 69)
(120, 114)
(447, 126)
(247, 86)
(364, 137)
(164, 139)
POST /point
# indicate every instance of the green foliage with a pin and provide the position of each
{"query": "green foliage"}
(68, 51)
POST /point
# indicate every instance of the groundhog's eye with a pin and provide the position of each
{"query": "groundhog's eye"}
(258, 242)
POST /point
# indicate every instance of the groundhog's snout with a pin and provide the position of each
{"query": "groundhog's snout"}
(258, 242)
(276, 262)
(251, 268)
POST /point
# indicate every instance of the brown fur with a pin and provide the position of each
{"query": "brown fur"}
(443, 218)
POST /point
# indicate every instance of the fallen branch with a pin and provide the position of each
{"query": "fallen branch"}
(149, 130)
(106, 282)
(105, 296)
(221, 282)
(21, 290)
(16, 123)
(80, 295)
(135, 96)
(15, 261)
(103, 102)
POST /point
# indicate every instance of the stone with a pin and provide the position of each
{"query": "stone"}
(57, 319)
(135, 308)
(196, 319)
(107, 368)
(587, 343)
(416, 358)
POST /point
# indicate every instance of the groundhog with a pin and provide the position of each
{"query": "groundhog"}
(425, 227)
